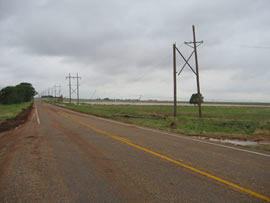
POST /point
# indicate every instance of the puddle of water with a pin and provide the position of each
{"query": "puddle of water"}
(235, 142)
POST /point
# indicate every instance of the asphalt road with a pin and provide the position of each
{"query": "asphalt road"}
(63, 156)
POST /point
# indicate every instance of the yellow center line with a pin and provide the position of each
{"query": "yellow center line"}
(168, 159)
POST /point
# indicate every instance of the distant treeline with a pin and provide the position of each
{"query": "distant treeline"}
(22, 92)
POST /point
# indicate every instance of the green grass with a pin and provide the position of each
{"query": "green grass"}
(12, 110)
(265, 148)
(225, 122)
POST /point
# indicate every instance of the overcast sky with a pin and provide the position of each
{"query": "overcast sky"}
(123, 48)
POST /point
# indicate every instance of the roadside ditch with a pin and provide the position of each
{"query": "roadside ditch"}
(18, 120)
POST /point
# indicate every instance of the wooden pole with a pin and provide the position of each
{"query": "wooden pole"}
(78, 98)
(197, 72)
(174, 81)
(69, 77)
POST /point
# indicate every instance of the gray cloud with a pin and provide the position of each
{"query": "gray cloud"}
(124, 48)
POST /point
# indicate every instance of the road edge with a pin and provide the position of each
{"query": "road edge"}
(20, 119)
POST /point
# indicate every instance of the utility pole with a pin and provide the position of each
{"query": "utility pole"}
(54, 91)
(193, 45)
(73, 90)
(174, 81)
(78, 98)
(197, 71)
(69, 89)
(69, 85)
(59, 91)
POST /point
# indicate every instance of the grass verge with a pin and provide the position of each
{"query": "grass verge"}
(244, 123)
(12, 110)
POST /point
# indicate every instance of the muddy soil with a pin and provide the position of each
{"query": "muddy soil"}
(18, 120)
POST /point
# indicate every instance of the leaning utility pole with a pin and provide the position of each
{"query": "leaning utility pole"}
(195, 45)
(197, 71)
(174, 81)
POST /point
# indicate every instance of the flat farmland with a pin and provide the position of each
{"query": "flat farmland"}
(244, 123)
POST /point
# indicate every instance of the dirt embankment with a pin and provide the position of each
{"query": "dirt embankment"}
(18, 120)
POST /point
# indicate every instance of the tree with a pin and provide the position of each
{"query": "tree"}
(23, 92)
(194, 99)
(9, 95)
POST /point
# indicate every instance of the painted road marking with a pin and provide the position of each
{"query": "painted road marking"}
(174, 135)
(168, 159)
(37, 113)
(202, 141)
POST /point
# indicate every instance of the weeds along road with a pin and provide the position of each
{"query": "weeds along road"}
(70, 157)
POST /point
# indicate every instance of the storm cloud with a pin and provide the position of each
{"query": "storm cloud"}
(123, 49)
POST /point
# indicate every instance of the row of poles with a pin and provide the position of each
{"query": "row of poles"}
(52, 92)
(193, 44)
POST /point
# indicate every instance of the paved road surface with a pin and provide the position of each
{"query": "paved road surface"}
(70, 157)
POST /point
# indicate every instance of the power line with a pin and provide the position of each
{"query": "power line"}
(55, 90)
(71, 90)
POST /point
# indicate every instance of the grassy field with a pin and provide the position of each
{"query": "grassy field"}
(179, 102)
(220, 122)
(10, 111)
